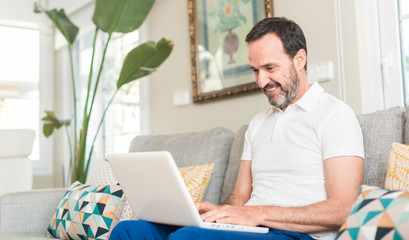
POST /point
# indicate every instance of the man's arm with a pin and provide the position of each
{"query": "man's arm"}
(243, 188)
(343, 178)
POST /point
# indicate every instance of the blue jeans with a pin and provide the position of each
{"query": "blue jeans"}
(147, 230)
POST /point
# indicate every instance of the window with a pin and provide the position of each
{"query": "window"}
(383, 28)
(390, 53)
(19, 80)
(404, 30)
(123, 119)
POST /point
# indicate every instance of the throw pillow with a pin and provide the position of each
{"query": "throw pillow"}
(87, 212)
(102, 174)
(397, 177)
(196, 178)
(377, 214)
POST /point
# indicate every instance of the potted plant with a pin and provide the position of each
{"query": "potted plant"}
(109, 16)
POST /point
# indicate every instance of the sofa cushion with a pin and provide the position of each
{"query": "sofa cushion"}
(24, 236)
(102, 174)
(16, 174)
(380, 129)
(28, 211)
(87, 211)
(189, 149)
(234, 164)
(19, 142)
(196, 179)
(377, 214)
(406, 126)
(397, 177)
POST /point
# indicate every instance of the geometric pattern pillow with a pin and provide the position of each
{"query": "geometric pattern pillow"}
(102, 174)
(87, 212)
(197, 180)
(397, 177)
(377, 214)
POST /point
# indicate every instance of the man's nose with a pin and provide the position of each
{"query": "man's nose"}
(262, 79)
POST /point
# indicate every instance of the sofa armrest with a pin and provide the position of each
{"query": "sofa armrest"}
(28, 211)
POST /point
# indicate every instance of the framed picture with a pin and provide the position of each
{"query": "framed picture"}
(217, 30)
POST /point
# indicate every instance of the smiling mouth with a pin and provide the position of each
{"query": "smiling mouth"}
(270, 88)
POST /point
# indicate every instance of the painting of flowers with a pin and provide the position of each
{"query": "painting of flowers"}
(228, 13)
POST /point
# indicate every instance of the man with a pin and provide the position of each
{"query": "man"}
(302, 161)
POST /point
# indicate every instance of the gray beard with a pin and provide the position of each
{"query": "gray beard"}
(286, 95)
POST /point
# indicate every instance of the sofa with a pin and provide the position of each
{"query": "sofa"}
(15, 166)
(26, 215)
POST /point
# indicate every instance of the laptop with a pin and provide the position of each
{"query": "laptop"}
(156, 192)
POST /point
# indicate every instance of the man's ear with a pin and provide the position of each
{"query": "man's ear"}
(300, 59)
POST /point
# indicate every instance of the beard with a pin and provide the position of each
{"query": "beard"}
(288, 92)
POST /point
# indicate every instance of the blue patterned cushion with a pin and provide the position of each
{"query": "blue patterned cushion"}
(378, 214)
(87, 212)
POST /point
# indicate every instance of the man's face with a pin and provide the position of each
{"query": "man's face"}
(274, 70)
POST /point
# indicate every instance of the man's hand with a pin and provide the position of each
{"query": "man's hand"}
(228, 214)
(203, 207)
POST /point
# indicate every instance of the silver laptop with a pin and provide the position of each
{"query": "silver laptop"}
(156, 191)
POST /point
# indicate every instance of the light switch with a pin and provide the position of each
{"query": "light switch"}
(181, 98)
(321, 72)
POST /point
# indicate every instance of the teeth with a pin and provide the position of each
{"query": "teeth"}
(271, 89)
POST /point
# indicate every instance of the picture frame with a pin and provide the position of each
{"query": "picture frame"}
(217, 30)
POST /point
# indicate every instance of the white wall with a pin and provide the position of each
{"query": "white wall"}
(19, 10)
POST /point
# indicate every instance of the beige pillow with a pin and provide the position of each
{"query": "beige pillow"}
(197, 179)
(397, 177)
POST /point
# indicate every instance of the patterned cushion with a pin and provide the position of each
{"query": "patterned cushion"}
(87, 212)
(103, 174)
(196, 178)
(397, 177)
(377, 214)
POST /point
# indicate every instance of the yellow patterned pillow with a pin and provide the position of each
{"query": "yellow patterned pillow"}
(197, 179)
(397, 177)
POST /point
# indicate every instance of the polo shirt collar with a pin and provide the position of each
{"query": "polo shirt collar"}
(310, 97)
(307, 101)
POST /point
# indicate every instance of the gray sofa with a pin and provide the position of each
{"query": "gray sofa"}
(26, 215)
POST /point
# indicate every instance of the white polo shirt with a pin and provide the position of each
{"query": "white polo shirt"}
(287, 149)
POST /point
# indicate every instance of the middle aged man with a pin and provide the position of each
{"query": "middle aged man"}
(302, 162)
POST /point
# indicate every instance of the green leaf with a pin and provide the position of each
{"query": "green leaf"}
(120, 15)
(143, 60)
(48, 129)
(66, 27)
(51, 122)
